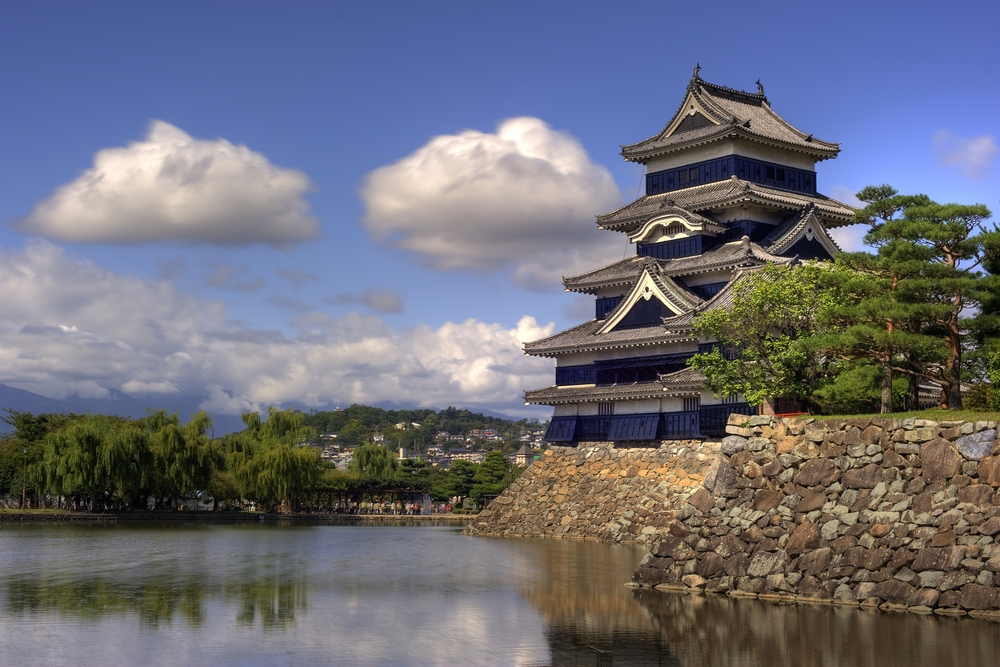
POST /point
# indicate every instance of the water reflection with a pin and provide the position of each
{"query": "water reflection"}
(231, 595)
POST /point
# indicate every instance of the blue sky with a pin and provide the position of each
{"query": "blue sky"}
(375, 201)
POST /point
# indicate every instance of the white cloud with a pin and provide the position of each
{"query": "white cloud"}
(380, 299)
(521, 200)
(974, 157)
(171, 187)
(850, 238)
(68, 326)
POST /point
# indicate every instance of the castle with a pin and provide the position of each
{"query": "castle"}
(730, 185)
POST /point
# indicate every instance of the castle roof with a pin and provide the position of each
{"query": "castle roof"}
(685, 382)
(730, 255)
(722, 194)
(711, 113)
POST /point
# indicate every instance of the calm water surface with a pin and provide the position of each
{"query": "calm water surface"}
(407, 595)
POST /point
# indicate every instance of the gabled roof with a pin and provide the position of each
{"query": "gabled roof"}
(712, 113)
(730, 255)
(584, 338)
(804, 224)
(720, 194)
(652, 285)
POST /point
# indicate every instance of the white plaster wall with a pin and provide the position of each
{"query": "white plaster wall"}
(586, 409)
(565, 410)
(672, 404)
(648, 405)
(739, 147)
(625, 407)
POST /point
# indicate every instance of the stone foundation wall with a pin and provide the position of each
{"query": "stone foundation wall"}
(900, 514)
(595, 491)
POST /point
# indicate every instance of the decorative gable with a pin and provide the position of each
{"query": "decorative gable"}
(653, 298)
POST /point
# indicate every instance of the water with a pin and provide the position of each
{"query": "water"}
(407, 595)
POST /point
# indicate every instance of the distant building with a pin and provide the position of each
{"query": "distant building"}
(524, 457)
(730, 187)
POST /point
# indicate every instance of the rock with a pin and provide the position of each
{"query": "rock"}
(976, 494)
(921, 434)
(732, 444)
(923, 597)
(863, 478)
(977, 445)
(729, 546)
(975, 596)
(766, 500)
(940, 460)
(815, 561)
(764, 563)
(693, 581)
(873, 559)
(989, 470)
(990, 526)
(720, 478)
(804, 538)
(946, 558)
(953, 580)
(829, 530)
(810, 502)
(736, 565)
(894, 591)
(863, 591)
(814, 471)
(709, 565)
(702, 500)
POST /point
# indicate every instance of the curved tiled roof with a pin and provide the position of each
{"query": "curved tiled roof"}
(685, 382)
(719, 194)
(584, 337)
(734, 114)
(729, 255)
(784, 235)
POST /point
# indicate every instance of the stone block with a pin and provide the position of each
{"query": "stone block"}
(952, 580)
(922, 434)
(766, 500)
(732, 444)
(804, 538)
(976, 596)
(894, 591)
(976, 445)
(940, 460)
(764, 563)
(945, 558)
(990, 527)
(736, 565)
(989, 470)
(702, 500)
(816, 561)
(815, 471)
(976, 494)
(862, 478)
(709, 565)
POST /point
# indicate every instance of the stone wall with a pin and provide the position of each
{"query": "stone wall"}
(897, 514)
(595, 491)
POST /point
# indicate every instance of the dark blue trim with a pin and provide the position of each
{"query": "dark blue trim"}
(686, 247)
(706, 292)
(634, 427)
(680, 425)
(622, 371)
(709, 171)
(561, 429)
(593, 429)
(643, 313)
(606, 304)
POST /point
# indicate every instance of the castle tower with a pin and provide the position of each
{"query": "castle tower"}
(730, 185)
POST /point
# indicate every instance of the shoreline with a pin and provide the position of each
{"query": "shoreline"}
(17, 517)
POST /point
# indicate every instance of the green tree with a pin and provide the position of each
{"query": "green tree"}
(761, 336)
(494, 475)
(461, 478)
(374, 461)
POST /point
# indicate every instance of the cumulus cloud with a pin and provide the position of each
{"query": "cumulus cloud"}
(171, 187)
(380, 299)
(68, 326)
(974, 157)
(522, 200)
(237, 278)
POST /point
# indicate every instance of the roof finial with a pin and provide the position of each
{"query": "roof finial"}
(697, 68)
(760, 87)
(746, 243)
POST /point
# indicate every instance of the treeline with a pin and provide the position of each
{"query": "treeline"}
(358, 424)
(112, 463)
(861, 334)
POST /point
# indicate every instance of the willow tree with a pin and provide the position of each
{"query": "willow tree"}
(270, 460)
(184, 458)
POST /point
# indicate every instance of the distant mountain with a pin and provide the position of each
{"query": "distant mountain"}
(118, 403)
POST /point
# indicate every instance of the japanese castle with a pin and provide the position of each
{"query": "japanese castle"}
(730, 186)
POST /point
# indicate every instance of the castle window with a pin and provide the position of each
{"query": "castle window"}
(770, 173)
(606, 408)
(692, 403)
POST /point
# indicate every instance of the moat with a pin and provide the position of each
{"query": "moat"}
(408, 595)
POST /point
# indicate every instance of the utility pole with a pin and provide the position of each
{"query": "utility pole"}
(24, 477)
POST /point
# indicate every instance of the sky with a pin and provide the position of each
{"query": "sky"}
(320, 203)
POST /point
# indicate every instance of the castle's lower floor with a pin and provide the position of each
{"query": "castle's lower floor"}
(708, 420)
